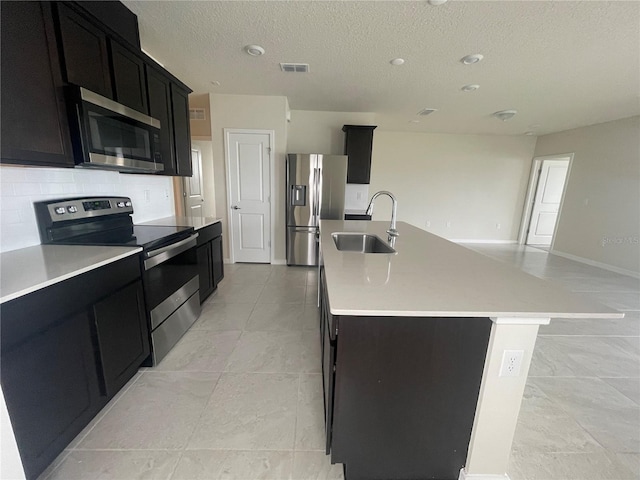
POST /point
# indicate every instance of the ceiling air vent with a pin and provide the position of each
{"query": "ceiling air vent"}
(197, 114)
(295, 67)
(426, 111)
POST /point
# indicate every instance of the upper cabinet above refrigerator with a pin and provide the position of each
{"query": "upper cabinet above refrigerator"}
(358, 145)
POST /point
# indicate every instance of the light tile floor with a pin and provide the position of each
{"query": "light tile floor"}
(580, 417)
(240, 396)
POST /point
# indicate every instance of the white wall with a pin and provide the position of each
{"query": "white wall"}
(259, 113)
(152, 196)
(600, 216)
(321, 132)
(475, 182)
(208, 176)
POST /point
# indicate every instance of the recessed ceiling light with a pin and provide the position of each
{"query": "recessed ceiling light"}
(534, 126)
(397, 61)
(470, 88)
(505, 115)
(414, 121)
(254, 50)
(471, 59)
(529, 133)
(215, 83)
(435, 3)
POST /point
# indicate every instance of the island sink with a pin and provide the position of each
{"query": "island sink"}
(360, 242)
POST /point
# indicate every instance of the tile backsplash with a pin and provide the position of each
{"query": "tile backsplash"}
(152, 196)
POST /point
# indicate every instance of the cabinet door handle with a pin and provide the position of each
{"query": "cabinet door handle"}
(235, 207)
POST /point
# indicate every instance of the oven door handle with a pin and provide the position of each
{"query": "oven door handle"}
(155, 257)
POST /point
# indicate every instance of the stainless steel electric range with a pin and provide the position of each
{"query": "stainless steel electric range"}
(168, 261)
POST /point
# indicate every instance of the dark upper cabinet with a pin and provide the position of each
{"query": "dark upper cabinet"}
(84, 51)
(115, 16)
(181, 130)
(159, 91)
(129, 84)
(358, 146)
(32, 88)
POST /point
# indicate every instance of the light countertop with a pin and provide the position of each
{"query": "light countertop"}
(431, 276)
(29, 269)
(196, 222)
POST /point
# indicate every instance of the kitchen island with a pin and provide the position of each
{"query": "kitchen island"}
(426, 353)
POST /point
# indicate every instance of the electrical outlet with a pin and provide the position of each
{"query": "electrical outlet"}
(448, 224)
(147, 196)
(358, 195)
(511, 363)
(427, 223)
(498, 226)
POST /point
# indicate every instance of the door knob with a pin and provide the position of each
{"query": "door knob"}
(235, 207)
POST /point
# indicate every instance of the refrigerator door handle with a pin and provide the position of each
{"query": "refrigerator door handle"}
(316, 190)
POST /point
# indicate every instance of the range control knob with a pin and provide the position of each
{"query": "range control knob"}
(72, 209)
(120, 204)
(60, 210)
(128, 204)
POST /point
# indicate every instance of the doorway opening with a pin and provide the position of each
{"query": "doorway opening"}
(249, 183)
(545, 195)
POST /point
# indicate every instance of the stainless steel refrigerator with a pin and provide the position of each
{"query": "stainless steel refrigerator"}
(316, 185)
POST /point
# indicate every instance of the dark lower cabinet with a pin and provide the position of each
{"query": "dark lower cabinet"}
(32, 88)
(65, 351)
(50, 383)
(401, 392)
(122, 336)
(210, 264)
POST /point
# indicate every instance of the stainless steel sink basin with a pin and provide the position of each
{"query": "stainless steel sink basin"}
(360, 242)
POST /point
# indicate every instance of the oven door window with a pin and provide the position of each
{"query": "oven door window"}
(168, 277)
(116, 136)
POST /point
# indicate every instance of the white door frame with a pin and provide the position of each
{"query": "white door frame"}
(534, 177)
(227, 161)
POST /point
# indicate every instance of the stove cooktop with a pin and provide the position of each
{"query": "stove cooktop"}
(148, 237)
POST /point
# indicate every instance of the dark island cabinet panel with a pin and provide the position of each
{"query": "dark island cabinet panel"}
(181, 130)
(122, 334)
(84, 51)
(358, 146)
(159, 91)
(32, 88)
(130, 86)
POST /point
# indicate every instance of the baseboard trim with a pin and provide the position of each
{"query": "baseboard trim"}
(481, 476)
(593, 263)
(279, 261)
(496, 242)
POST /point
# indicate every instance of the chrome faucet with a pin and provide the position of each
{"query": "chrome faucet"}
(392, 228)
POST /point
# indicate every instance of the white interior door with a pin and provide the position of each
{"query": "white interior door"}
(193, 189)
(248, 166)
(547, 202)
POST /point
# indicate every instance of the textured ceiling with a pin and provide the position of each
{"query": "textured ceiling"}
(561, 64)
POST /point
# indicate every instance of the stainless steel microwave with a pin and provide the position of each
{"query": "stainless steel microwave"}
(106, 134)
